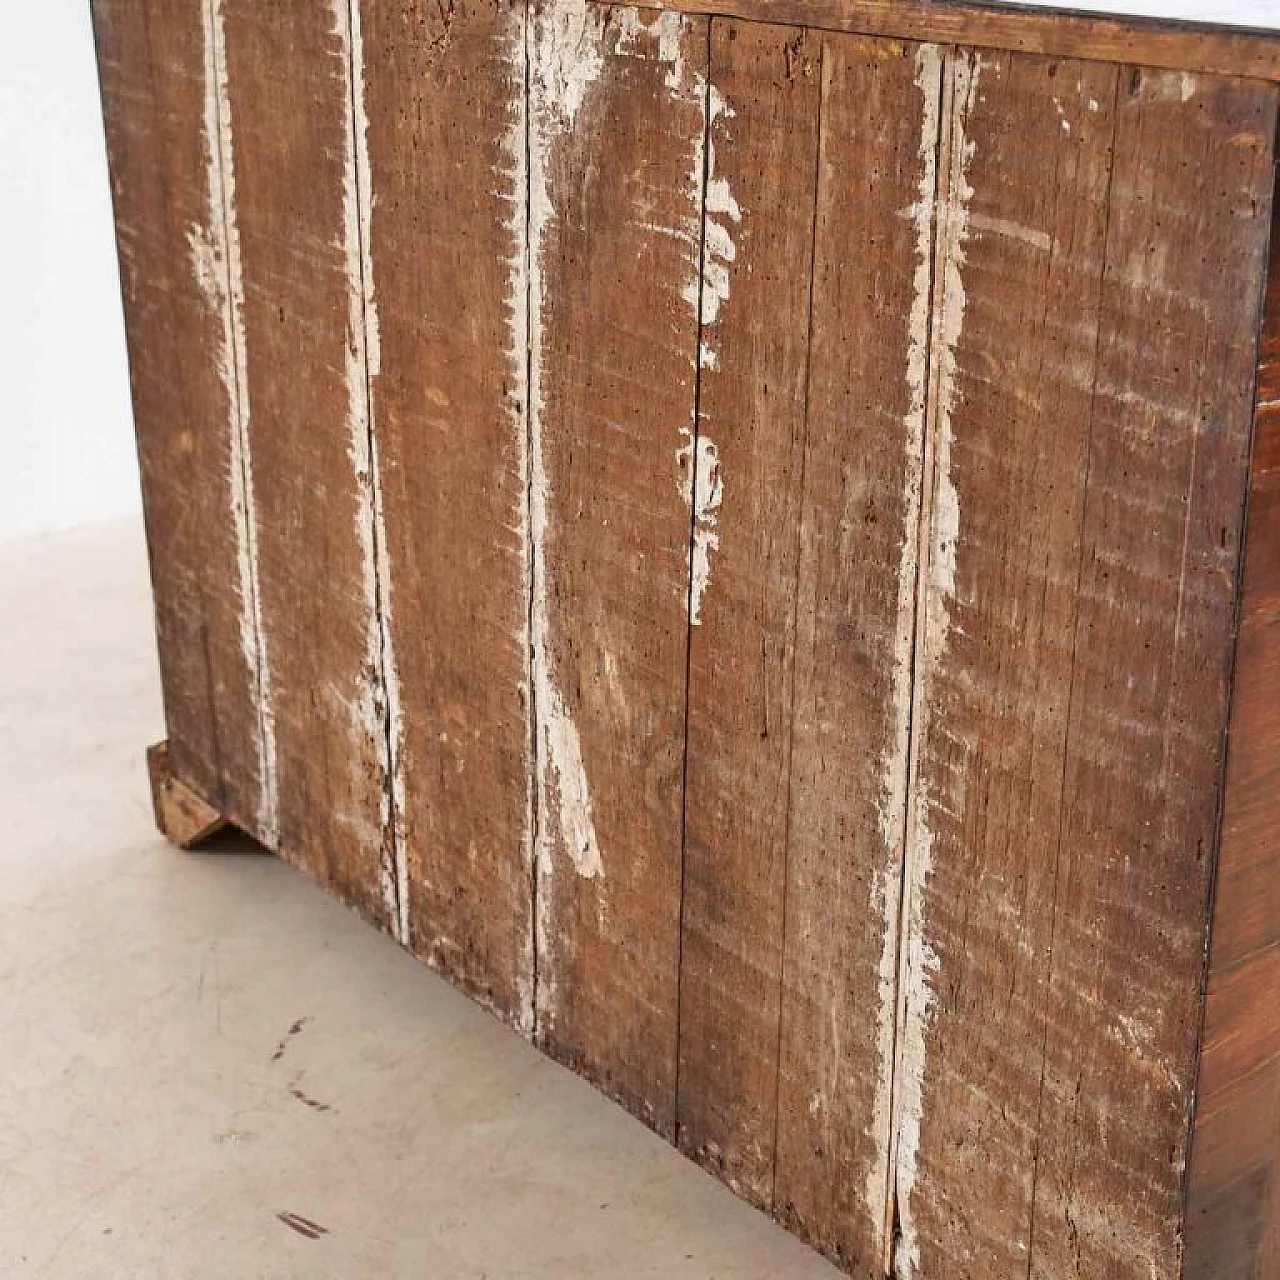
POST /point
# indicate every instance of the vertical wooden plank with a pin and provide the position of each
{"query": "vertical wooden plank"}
(1186, 259)
(446, 146)
(297, 207)
(161, 92)
(855, 630)
(762, 165)
(1090, 434)
(1019, 266)
(617, 109)
(1233, 1202)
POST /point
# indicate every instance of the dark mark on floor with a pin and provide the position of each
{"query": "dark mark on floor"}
(303, 1226)
(307, 1101)
(288, 1035)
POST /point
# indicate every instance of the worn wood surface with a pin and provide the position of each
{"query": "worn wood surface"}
(295, 205)
(616, 132)
(1233, 1209)
(160, 101)
(724, 538)
(1014, 330)
(1186, 258)
(1092, 418)
(1145, 42)
(762, 161)
(447, 261)
(854, 630)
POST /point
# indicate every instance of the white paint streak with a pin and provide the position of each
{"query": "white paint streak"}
(886, 888)
(710, 290)
(707, 290)
(1012, 230)
(566, 58)
(215, 251)
(572, 794)
(920, 961)
(377, 712)
(708, 492)
(637, 28)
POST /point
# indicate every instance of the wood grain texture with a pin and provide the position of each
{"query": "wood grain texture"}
(159, 96)
(855, 627)
(761, 187)
(1233, 1208)
(1186, 258)
(1092, 420)
(448, 393)
(1018, 271)
(616, 131)
(725, 538)
(1146, 42)
(296, 204)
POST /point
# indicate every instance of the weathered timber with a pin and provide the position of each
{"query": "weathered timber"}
(1074, 657)
(728, 538)
(445, 266)
(616, 123)
(1233, 1210)
(294, 219)
(855, 623)
(160, 70)
(757, 266)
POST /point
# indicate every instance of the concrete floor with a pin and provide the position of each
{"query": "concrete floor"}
(208, 1068)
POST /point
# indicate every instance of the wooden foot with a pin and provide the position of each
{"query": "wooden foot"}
(182, 816)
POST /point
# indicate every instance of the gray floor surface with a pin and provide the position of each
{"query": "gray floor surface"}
(210, 1069)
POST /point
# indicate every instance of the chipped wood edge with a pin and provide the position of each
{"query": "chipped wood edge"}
(183, 817)
(1157, 43)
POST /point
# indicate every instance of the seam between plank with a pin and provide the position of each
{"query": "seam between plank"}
(237, 359)
(924, 532)
(394, 835)
(534, 805)
(795, 606)
(693, 529)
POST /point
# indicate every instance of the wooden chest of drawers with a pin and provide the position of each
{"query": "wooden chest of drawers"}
(737, 533)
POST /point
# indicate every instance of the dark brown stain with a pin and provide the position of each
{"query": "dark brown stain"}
(307, 1100)
(294, 1030)
(303, 1226)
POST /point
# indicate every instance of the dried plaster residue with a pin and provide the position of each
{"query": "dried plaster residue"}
(920, 961)
(377, 714)
(707, 291)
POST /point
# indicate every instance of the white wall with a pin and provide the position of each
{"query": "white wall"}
(66, 443)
